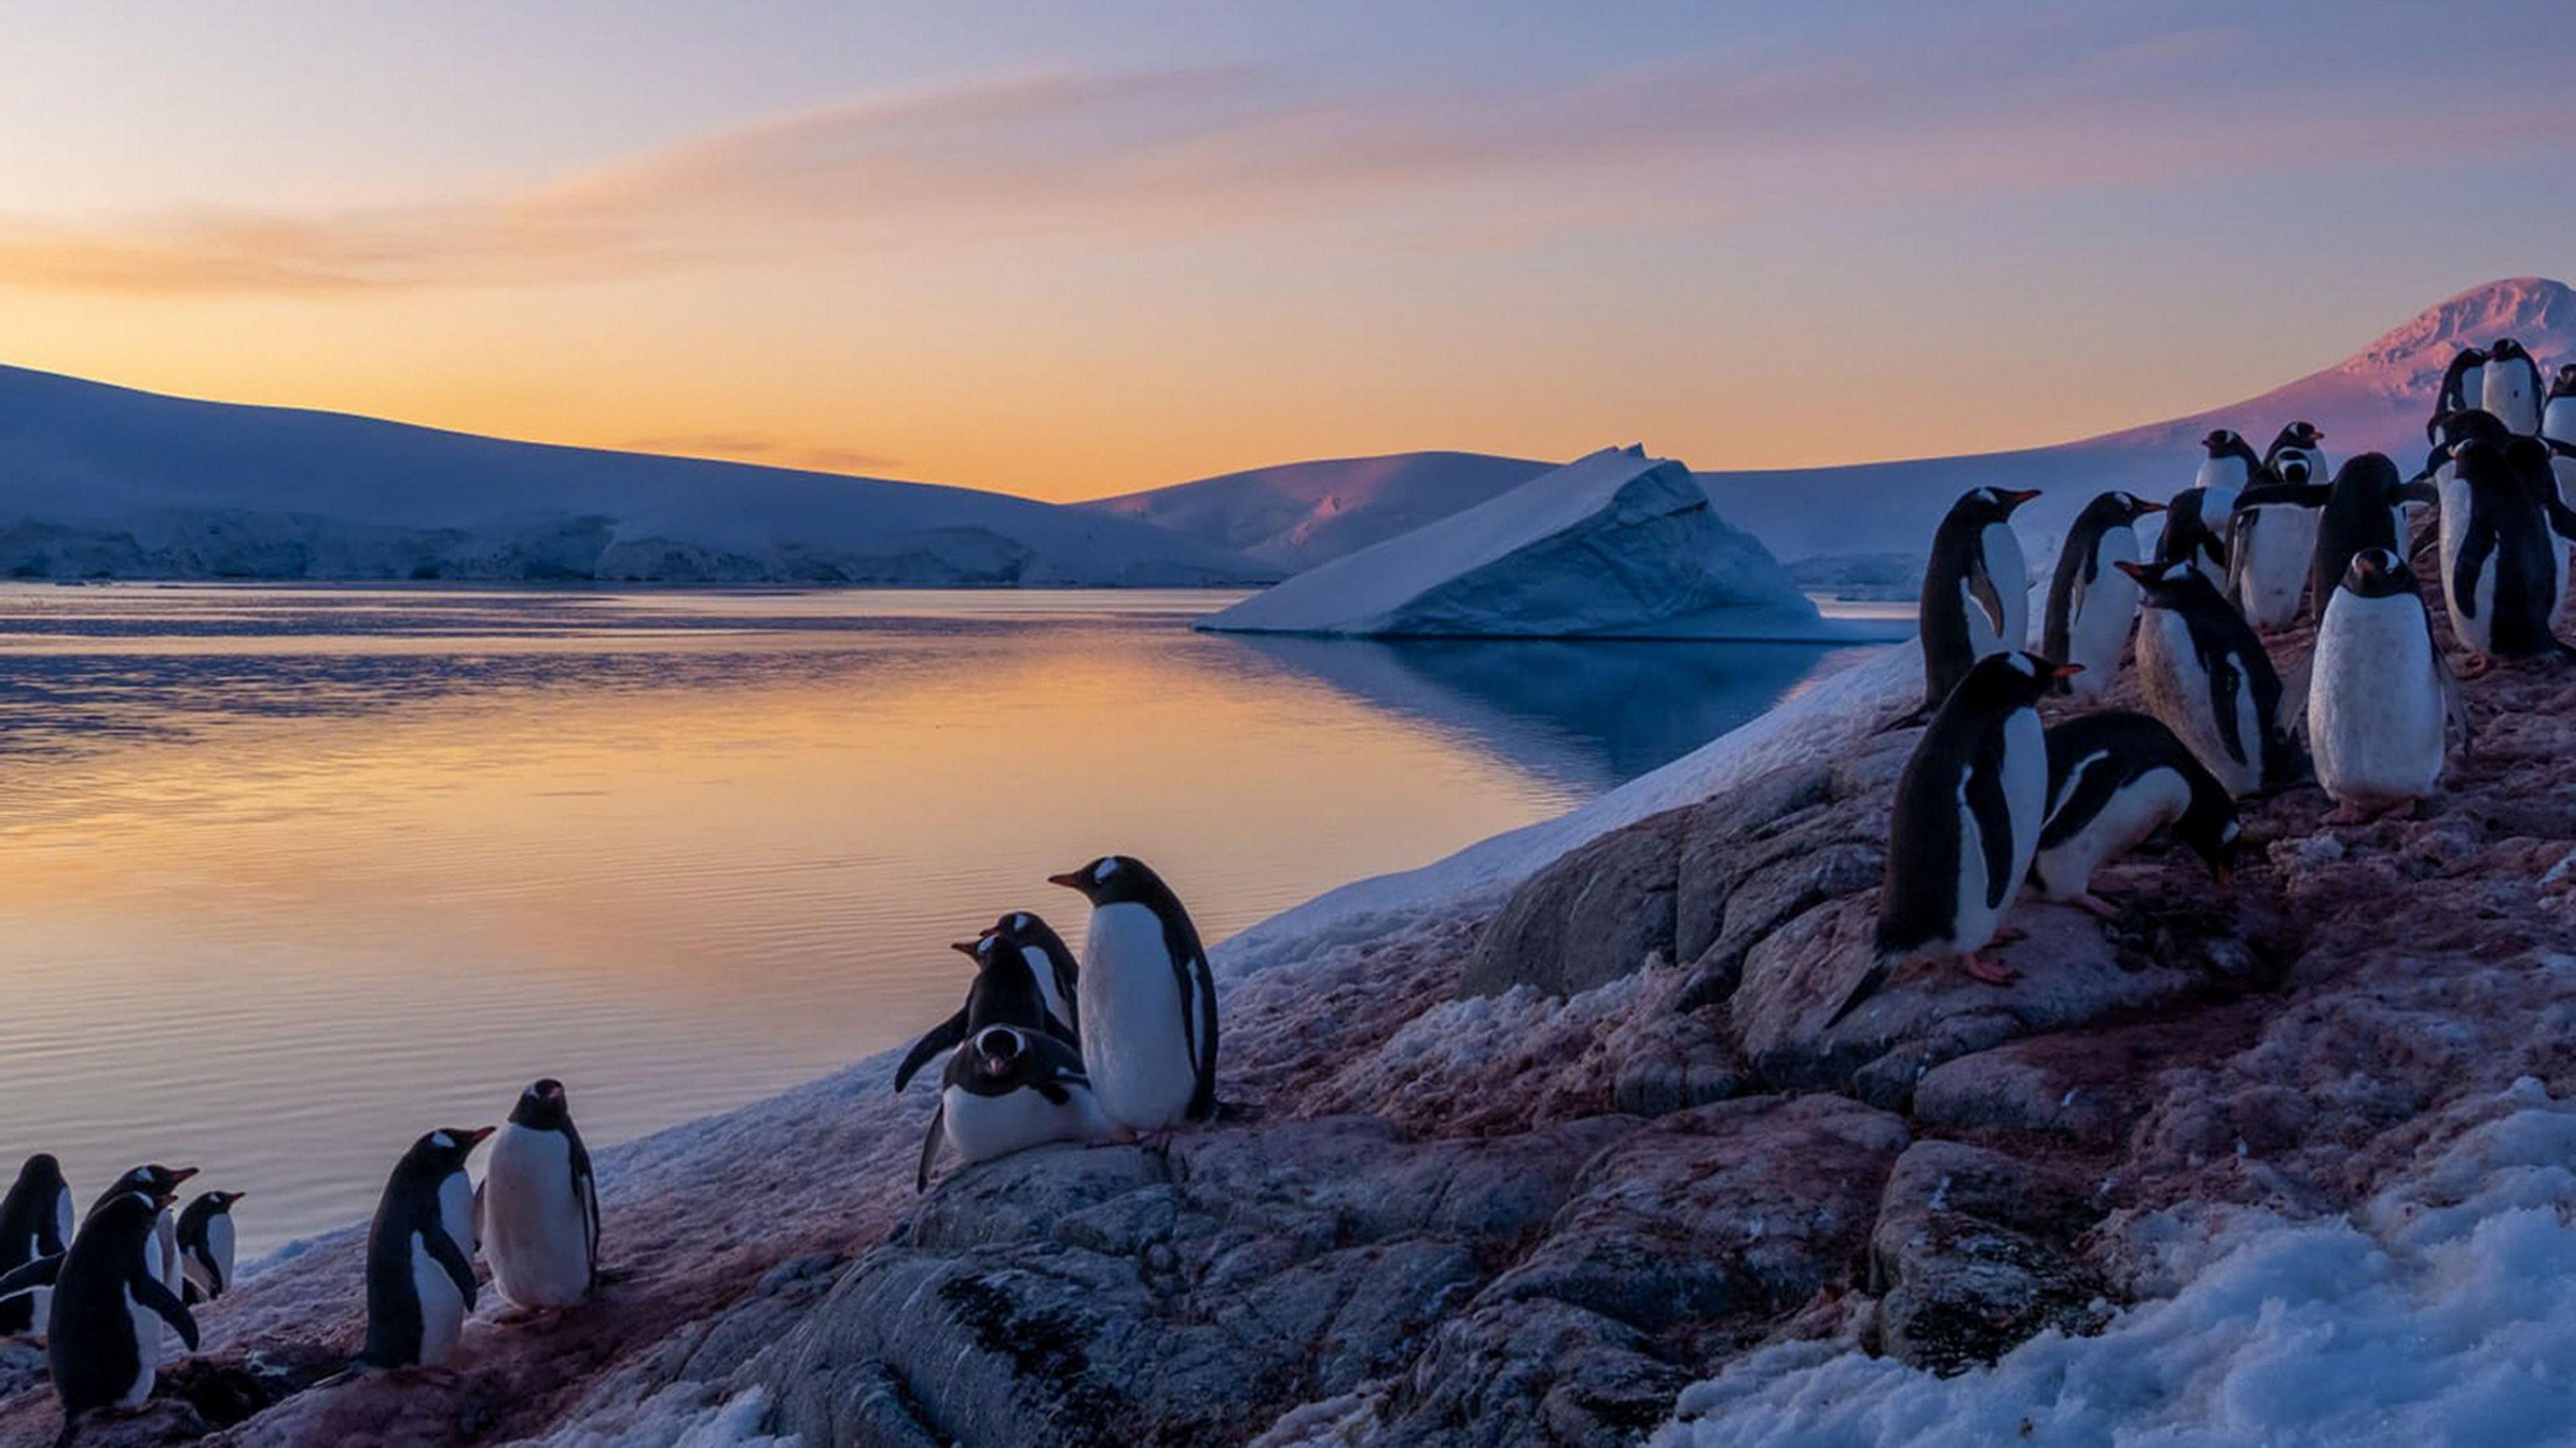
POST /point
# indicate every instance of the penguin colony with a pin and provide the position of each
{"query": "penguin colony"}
(1043, 1050)
(1121, 1044)
(1992, 803)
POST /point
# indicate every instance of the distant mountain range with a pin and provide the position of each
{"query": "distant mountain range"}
(1840, 519)
(101, 481)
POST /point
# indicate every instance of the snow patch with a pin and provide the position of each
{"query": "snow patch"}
(680, 1416)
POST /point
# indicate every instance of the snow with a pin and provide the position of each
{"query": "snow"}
(1615, 544)
(680, 1416)
(99, 480)
(2434, 1315)
(1298, 515)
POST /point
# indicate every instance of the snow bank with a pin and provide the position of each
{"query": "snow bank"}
(1616, 544)
(2437, 1315)
(1297, 515)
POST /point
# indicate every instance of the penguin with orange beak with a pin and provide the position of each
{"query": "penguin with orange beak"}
(420, 1253)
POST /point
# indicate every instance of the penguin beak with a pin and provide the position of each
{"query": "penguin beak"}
(475, 1137)
(1071, 879)
(965, 948)
(2066, 671)
(2138, 571)
(181, 1174)
(2014, 498)
(2152, 507)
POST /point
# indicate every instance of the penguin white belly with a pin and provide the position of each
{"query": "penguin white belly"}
(215, 1274)
(1135, 1034)
(2025, 787)
(2558, 420)
(536, 1228)
(2099, 631)
(2375, 706)
(2507, 392)
(442, 1307)
(147, 1350)
(2474, 633)
(2134, 811)
(2011, 575)
(2177, 692)
(985, 1127)
(1972, 921)
(1044, 970)
(2276, 564)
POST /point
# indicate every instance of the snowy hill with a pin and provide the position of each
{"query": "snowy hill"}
(100, 481)
(1615, 544)
(1300, 514)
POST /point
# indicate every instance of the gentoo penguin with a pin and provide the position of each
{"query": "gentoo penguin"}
(538, 1208)
(2379, 694)
(2229, 466)
(2502, 558)
(206, 1246)
(1006, 1090)
(1976, 589)
(155, 1181)
(2558, 429)
(420, 1269)
(2091, 603)
(2114, 778)
(1965, 824)
(2366, 508)
(2195, 532)
(1148, 1002)
(2463, 388)
(2300, 439)
(1024, 976)
(2272, 543)
(103, 1327)
(35, 1222)
(2511, 387)
(2204, 673)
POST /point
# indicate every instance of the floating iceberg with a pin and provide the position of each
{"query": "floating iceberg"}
(1614, 545)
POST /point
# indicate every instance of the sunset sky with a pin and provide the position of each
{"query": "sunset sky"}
(1083, 248)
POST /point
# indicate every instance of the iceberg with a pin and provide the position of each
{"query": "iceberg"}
(1613, 545)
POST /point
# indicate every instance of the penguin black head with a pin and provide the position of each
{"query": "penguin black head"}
(444, 1150)
(2294, 468)
(2011, 680)
(1991, 505)
(2209, 829)
(2472, 424)
(2222, 441)
(2564, 384)
(41, 1170)
(998, 1050)
(2169, 585)
(2114, 508)
(156, 1181)
(2505, 349)
(1115, 879)
(2378, 573)
(542, 1106)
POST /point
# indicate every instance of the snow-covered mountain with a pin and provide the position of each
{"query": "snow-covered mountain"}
(104, 481)
(1849, 519)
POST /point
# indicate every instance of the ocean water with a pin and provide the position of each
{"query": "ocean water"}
(289, 876)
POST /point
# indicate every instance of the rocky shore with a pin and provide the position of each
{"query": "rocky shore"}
(1571, 1159)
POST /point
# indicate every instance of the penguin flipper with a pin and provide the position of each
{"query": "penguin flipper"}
(39, 1273)
(2455, 704)
(1981, 586)
(148, 1292)
(443, 1249)
(2225, 681)
(1198, 996)
(1983, 793)
(2240, 534)
(2294, 696)
(947, 1036)
(930, 1146)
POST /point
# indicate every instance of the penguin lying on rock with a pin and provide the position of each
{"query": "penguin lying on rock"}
(2115, 778)
(1006, 1090)
(1966, 823)
(2205, 674)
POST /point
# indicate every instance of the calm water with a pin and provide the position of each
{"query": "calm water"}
(288, 876)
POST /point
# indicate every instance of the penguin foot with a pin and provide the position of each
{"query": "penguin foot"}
(1992, 972)
(2095, 905)
(2478, 667)
(2007, 934)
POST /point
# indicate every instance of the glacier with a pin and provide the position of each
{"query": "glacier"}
(1613, 545)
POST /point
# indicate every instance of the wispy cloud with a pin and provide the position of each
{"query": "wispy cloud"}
(1066, 155)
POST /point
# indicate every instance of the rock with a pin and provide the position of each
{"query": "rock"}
(1025, 1194)
(1593, 916)
(1669, 1063)
(1971, 1246)
(1531, 1375)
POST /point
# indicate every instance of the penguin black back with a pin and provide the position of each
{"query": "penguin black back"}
(1960, 577)
(2361, 513)
(2079, 564)
(2114, 748)
(2454, 395)
(31, 1226)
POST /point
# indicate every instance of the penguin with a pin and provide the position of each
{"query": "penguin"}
(2463, 388)
(2302, 439)
(1006, 1090)
(2204, 673)
(2365, 508)
(2379, 694)
(1966, 822)
(206, 1246)
(537, 1211)
(2272, 543)
(156, 1181)
(2558, 422)
(420, 1269)
(35, 1223)
(1024, 976)
(2511, 387)
(2090, 602)
(2502, 555)
(103, 1327)
(2114, 778)
(1147, 999)
(2229, 466)
(2195, 532)
(1976, 589)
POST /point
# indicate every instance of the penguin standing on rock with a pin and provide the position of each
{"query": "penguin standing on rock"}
(2114, 778)
(1965, 824)
(2091, 603)
(1976, 589)
(2365, 508)
(1006, 1090)
(420, 1267)
(2380, 693)
(35, 1223)
(2511, 387)
(537, 1211)
(2272, 544)
(1148, 1001)
(2206, 676)
(206, 1246)
(2463, 387)
(103, 1327)
(2502, 554)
